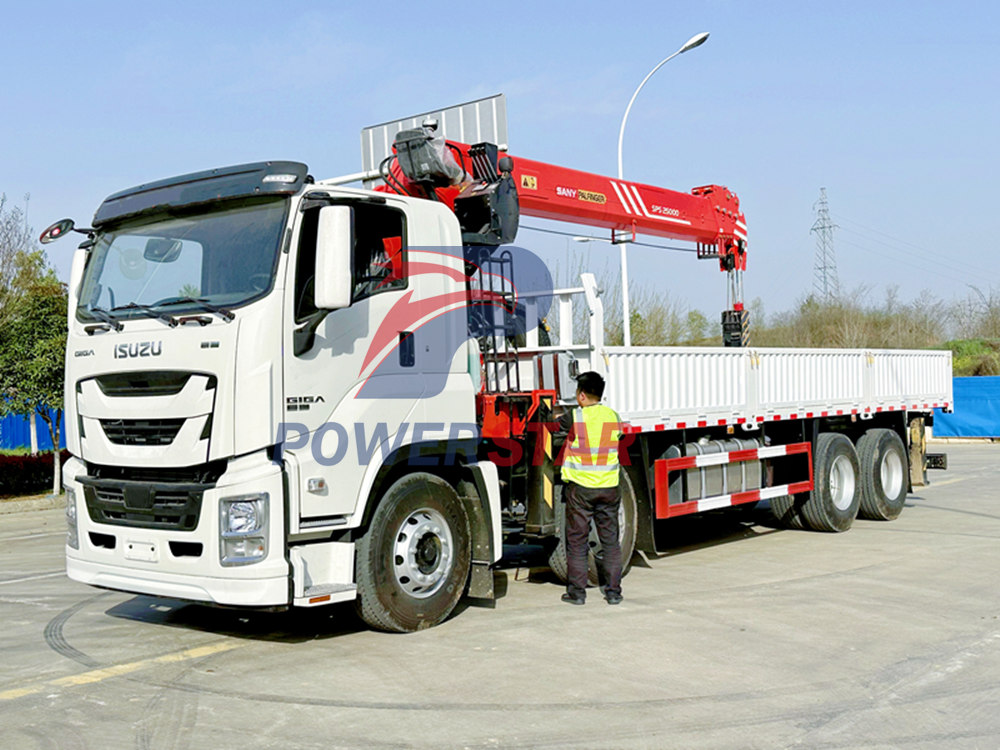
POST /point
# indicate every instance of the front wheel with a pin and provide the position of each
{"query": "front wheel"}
(413, 562)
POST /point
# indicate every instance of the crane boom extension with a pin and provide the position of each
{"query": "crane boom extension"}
(709, 216)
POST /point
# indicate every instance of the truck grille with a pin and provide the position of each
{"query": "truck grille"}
(141, 431)
(146, 383)
(149, 497)
(110, 494)
(142, 504)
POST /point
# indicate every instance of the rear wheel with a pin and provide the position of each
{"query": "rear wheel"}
(787, 509)
(833, 503)
(883, 470)
(413, 562)
(627, 513)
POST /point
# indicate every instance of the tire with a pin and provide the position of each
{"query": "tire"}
(788, 511)
(627, 514)
(413, 562)
(833, 503)
(883, 461)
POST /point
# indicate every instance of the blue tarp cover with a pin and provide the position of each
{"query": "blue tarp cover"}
(977, 409)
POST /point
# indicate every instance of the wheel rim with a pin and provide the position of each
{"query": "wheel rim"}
(891, 473)
(842, 482)
(423, 553)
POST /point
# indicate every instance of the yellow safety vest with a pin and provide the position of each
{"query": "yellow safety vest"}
(592, 458)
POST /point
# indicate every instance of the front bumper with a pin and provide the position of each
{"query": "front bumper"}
(256, 592)
(186, 564)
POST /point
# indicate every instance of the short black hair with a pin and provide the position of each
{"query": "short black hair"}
(590, 383)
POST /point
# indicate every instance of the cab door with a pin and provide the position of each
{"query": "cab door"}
(327, 363)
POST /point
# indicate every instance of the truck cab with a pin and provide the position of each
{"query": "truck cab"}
(246, 362)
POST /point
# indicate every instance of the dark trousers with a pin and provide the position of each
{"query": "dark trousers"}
(582, 504)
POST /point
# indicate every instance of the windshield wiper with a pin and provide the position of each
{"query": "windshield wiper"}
(101, 314)
(167, 318)
(203, 304)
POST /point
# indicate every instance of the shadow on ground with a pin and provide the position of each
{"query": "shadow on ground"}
(520, 562)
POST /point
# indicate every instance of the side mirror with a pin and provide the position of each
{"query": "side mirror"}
(334, 252)
(57, 230)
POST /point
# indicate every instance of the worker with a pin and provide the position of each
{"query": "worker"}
(590, 474)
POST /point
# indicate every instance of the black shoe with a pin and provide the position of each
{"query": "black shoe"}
(613, 598)
(570, 599)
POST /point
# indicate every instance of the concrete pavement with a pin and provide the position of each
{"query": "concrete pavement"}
(742, 636)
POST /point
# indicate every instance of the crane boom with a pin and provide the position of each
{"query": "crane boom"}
(709, 216)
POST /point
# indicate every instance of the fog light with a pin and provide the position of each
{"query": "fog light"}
(243, 550)
(72, 531)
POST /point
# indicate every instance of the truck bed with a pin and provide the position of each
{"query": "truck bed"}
(676, 387)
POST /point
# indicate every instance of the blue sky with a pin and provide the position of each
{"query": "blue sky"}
(893, 107)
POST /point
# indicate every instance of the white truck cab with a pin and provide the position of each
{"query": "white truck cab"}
(236, 380)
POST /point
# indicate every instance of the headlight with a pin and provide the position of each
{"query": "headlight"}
(72, 531)
(243, 529)
(243, 517)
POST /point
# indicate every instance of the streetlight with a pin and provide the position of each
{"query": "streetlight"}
(695, 41)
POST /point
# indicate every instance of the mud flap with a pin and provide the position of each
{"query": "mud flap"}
(918, 453)
(481, 582)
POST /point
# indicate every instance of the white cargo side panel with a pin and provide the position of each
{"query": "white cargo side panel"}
(908, 378)
(665, 387)
(667, 382)
(792, 379)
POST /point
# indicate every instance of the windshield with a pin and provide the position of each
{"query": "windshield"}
(224, 258)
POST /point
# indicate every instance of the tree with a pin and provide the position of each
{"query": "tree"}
(32, 356)
(698, 328)
(21, 260)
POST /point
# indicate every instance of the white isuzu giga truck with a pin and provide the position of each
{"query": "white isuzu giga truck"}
(265, 410)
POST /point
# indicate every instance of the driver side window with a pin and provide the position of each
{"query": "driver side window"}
(379, 256)
(379, 235)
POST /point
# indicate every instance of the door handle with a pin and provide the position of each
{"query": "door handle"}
(407, 349)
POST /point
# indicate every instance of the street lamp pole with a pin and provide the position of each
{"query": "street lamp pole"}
(695, 41)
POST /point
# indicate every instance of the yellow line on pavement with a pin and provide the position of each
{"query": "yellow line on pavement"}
(97, 675)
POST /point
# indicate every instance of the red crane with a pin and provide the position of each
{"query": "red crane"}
(709, 216)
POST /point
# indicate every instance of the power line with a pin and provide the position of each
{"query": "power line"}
(937, 270)
(936, 258)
